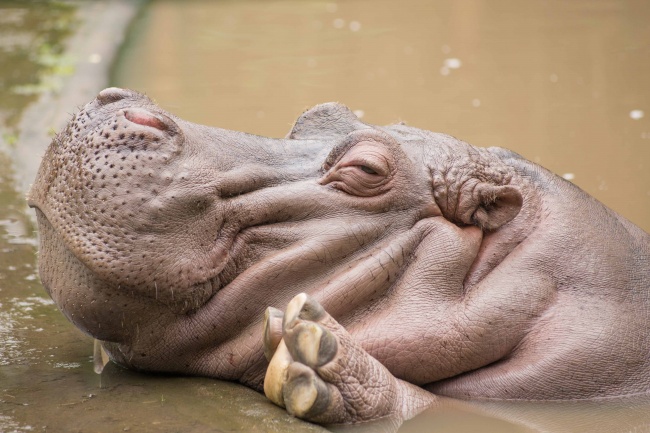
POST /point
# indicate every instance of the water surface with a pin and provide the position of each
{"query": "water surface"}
(565, 84)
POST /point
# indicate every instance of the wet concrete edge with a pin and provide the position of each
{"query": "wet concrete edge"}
(93, 48)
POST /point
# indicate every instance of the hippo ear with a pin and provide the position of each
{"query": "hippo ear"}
(494, 205)
(329, 120)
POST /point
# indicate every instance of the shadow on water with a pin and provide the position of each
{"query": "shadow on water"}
(569, 90)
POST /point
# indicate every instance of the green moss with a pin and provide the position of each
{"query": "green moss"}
(32, 59)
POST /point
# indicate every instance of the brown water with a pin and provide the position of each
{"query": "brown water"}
(563, 83)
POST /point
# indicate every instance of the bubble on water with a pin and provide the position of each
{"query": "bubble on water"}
(444, 70)
(569, 176)
(338, 23)
(359, 113)
(476, 102)
(453, 63)
(553, 78)
(637, 114)
(446, 49)
(95, 58)
(355, 26)
(67, 365)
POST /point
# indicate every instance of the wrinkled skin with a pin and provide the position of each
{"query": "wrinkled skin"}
(429, 266)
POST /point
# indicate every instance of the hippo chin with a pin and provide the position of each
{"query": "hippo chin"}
(407, 263)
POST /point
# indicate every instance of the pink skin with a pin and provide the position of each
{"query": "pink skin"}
(145, 119)
(468, 272)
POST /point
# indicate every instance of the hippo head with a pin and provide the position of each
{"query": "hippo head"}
(167, 240)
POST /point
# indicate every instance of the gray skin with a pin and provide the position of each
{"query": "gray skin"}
(412, 263)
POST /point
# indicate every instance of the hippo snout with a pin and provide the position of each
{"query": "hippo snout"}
(146, 118)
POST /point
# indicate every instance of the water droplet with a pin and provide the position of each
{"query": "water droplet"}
(476, 102)
(338, 23)
(446, 49)
(453, 63)
(569, 176)
(553, 78)
(637, 114)
(355, 26)
(444, 70)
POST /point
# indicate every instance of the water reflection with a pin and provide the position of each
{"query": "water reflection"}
(31, 54)
(616, 415)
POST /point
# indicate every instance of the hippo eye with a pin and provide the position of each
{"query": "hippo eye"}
(367, 169)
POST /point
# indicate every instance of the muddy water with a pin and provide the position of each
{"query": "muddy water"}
(563, 83)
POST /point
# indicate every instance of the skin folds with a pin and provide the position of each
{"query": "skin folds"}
(399, 263)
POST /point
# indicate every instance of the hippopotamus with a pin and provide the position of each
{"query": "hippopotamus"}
(349, 270)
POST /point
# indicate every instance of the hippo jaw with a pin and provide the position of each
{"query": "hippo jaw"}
(164, 213)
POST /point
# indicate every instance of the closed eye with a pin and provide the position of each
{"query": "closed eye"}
(367, 169)
(364, 171)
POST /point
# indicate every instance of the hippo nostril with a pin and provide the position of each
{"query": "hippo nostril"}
(112, 94)
(145, 118)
